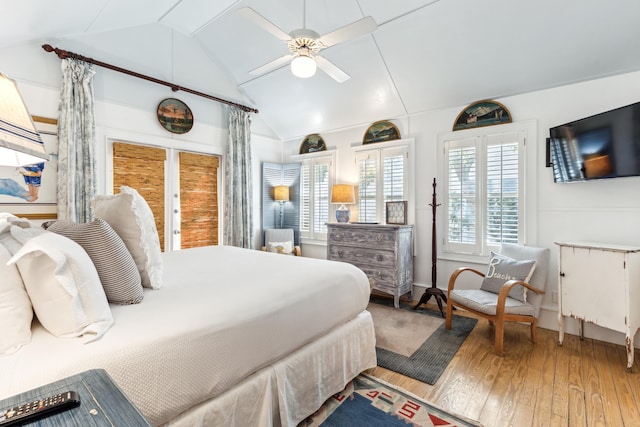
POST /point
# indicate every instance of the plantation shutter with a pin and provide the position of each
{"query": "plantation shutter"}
(305, 199)
(484, 190)
(142, 168)
(394, 171)
(461, 192)
(315, 190)
(502, 210)
(382, 178)
(320, 196)
(367, 187)
(199, 214)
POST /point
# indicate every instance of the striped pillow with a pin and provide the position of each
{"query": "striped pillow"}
(115, 265)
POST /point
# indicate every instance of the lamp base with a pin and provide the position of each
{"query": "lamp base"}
(343, 215)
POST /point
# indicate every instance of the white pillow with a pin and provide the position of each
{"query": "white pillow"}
(131, 217)
(16, 311)
(63, 285)
(281, 247)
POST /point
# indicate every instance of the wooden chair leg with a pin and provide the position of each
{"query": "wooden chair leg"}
(534, 329)
(449, 314)
(499, 339)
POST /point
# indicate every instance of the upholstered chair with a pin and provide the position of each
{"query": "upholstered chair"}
(280, 240)
(511, 301)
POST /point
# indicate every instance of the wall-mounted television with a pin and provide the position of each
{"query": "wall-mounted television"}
(606, 145)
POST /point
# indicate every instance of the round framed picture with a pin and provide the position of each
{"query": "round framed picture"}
(175, 116)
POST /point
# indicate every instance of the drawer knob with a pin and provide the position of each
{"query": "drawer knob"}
(340, 254)
(379, 257)
(378, 237)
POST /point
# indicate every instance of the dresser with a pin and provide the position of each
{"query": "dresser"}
(383, 252)
(600, 283)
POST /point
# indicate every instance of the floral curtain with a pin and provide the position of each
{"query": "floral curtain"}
(76, 142)
(238, 207)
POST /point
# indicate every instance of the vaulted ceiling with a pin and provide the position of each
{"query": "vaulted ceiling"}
(424, 54)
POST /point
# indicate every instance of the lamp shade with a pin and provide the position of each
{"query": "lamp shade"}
(303, 66)
(20, 142)
(343, 193)
(281, 193)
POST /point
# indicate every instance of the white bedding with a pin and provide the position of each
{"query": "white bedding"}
(222, 315)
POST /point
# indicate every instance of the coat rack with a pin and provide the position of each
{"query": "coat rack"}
(433, 291)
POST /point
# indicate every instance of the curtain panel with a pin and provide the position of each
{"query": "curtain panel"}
(76, 142)
(238, 205)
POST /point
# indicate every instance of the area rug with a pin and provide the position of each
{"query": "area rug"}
(370, 402)
(416, 343)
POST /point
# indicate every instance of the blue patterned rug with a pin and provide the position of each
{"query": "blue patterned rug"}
(370, 402)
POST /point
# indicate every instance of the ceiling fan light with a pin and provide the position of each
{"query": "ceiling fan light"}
(303, 66)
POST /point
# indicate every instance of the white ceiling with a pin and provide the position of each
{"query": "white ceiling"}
(425, 55)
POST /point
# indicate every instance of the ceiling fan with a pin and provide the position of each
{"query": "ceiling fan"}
(305, 44)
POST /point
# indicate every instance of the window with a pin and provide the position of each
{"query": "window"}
(383, 176)
(316, 176)
(484, 182)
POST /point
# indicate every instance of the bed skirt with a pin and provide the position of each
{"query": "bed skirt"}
(293, 388)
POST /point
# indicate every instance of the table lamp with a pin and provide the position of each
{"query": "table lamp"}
(343, 194)
(281, 194)
(20, 142)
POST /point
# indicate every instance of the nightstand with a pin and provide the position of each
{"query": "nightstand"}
(102, 403)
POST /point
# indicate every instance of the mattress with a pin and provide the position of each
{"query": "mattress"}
(222, 315)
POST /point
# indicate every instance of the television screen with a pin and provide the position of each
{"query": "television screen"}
(606, 145)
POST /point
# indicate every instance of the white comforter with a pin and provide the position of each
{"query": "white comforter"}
(222, 314)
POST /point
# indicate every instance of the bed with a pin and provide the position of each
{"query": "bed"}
(234, 337)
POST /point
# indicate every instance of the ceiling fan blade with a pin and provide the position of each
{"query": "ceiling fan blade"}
(334, 72)
(264, 23)
(270, 66)
(358, 28)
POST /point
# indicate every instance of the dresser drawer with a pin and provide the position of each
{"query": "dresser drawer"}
(362, 256)
(386, 277)
(371, 237)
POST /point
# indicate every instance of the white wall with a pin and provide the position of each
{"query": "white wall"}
(599, 211)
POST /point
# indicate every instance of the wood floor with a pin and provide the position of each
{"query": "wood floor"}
(582, 383)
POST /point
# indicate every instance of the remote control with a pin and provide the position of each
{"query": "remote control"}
(31, 411)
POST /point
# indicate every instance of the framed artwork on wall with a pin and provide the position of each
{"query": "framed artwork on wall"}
(37, 183)
(397, 212)
(175, 116)
(381, 131)
(482, 113)
(312, 143)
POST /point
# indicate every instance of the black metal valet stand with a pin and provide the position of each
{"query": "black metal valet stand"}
(433, 291)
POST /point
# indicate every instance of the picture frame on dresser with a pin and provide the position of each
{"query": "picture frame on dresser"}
(396, 212)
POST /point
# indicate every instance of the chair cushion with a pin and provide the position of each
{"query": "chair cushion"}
(486, 302)
(502, 269)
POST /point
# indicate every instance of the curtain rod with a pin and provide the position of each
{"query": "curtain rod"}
(62, 54)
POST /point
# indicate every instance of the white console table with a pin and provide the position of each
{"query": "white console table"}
(600, 283)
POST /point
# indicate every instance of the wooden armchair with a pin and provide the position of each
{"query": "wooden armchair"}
(501, 307)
